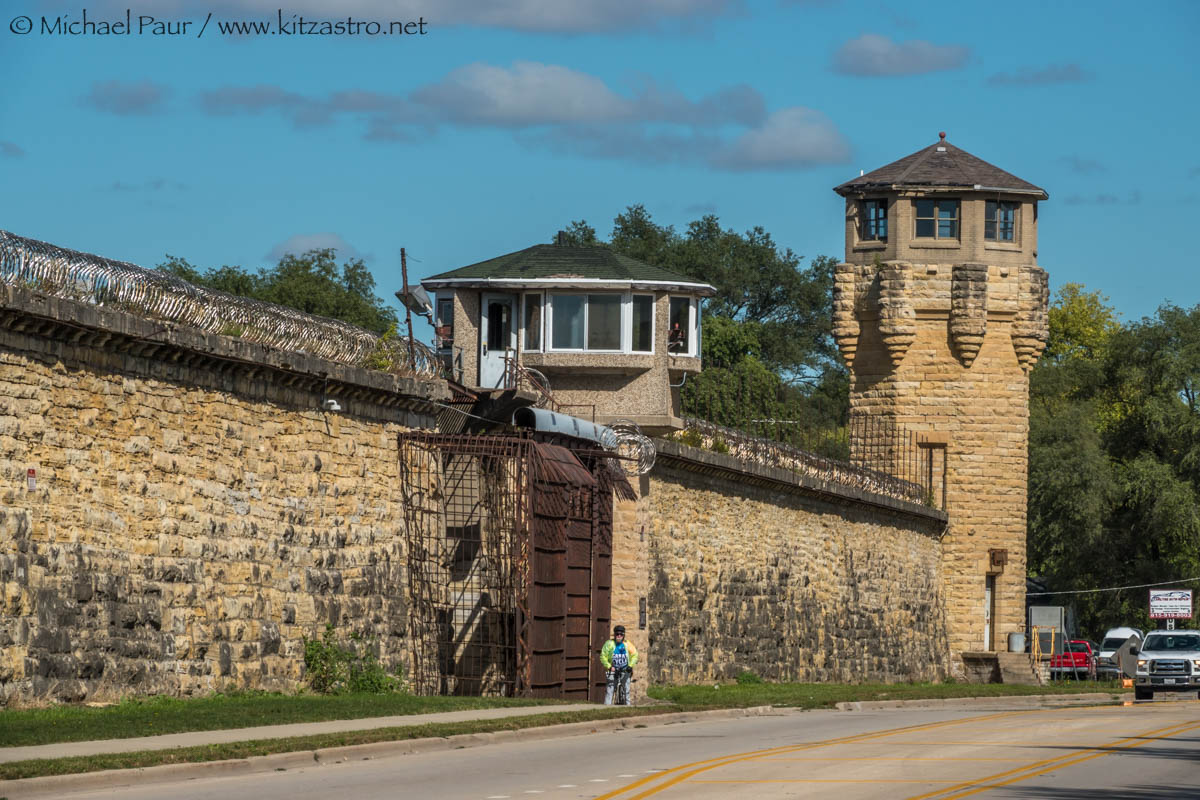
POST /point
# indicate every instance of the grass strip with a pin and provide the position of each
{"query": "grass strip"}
(827, 695)
(37, 768)
(155, 716)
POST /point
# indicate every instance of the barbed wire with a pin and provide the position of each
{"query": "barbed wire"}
(87, 278)
(859, 473)
(635, 447)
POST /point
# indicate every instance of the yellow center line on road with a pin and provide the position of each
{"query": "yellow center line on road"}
(823, 759)
(1037, 768)
(977, 743)
(822, 780)
(685, 771)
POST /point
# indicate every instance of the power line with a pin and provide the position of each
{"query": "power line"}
(1116, 588)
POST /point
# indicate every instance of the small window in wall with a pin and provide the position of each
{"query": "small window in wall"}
(874, 221)
(642, 324)
(568, 321)
(532, 322)
(682, 336)
(937, 219)
(444, 328)
(1000, 221)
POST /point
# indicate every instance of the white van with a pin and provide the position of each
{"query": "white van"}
(1106, 665)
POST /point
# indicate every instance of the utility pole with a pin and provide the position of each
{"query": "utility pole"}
(407, 312)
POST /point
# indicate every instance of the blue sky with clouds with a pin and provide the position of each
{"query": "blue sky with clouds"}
(508, 119)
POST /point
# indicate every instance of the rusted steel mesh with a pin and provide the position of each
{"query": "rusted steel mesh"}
(87, 278)
(879, 456)
(467, 556)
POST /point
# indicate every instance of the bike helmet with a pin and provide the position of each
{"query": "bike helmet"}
(619, 629)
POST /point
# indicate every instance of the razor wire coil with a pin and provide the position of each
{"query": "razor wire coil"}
(95, 280)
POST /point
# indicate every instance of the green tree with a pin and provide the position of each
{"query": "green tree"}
(1114, 489)
(1081, 323)
(580, 234)
(312, 283)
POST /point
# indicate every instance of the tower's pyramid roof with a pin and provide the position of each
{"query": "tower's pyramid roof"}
(941, 164)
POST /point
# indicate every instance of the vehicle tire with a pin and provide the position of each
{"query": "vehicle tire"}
(1142, 694)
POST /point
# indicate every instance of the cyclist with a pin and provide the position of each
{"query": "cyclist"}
(618, 658)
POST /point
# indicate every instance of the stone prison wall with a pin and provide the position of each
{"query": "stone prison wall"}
(177, 511)
(794, 582)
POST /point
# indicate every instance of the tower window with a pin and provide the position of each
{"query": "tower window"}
(937, 219)
(874, 221)
(1000, 221)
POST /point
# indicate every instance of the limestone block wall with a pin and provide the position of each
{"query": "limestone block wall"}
(172, 522)
(631, 577)
(971, 333)
(749, 569)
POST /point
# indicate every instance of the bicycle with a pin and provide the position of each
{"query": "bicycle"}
(621, 685)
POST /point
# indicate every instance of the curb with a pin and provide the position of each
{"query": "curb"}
(53, 785)
(1028, 700)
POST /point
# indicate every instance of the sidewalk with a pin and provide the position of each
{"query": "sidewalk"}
(199, 738)
(194, 738)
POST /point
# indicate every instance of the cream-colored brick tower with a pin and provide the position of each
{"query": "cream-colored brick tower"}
(940, 313)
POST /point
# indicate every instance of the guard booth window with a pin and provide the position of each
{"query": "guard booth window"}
(679, 339)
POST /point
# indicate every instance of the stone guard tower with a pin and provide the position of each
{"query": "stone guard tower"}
(940, 313)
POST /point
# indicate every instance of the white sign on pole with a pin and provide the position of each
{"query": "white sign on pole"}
(1170, 604)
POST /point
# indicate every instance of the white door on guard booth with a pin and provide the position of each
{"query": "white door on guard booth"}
(497, 339)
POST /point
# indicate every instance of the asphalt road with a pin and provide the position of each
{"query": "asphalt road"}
(1145, 751)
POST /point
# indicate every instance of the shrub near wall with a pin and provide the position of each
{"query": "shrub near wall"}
(788, 585)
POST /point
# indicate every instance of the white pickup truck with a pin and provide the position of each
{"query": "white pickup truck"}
(1168, 661)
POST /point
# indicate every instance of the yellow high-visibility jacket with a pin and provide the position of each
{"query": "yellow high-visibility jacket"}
(610, 648)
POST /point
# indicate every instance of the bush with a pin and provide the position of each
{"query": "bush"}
(748, 677)
(334, 669)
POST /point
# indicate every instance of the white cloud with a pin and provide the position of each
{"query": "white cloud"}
(303, 242)
(1083, 166)
(568, 111)
(528, 93)
(126, 97)
(875, 55)
(790, 138)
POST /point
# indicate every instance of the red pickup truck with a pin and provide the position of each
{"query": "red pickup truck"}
(1078, 660)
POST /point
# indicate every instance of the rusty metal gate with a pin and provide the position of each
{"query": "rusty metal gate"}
(571, 591)
(509, 555)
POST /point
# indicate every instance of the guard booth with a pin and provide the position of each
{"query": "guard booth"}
(508, 547)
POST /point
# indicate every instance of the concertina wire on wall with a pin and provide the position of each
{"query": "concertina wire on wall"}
(86, 278)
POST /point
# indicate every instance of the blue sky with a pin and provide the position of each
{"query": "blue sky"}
(508, 119)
